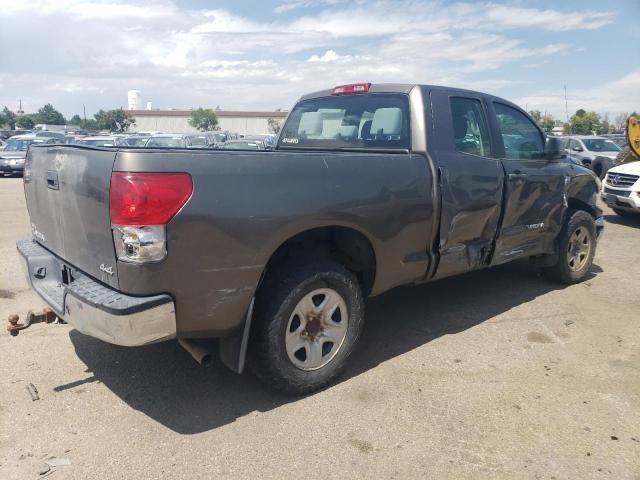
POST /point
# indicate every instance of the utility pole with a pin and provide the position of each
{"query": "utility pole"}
(566, 104)
(84, 111)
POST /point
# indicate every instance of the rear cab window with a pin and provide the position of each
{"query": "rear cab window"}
(470, 130)
(359, 121)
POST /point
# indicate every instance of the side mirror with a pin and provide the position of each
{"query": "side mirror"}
(577, 149)
(553, 149)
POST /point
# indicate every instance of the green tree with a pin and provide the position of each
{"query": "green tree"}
(8, 118)
(114, 120)
(583, 123)
(75, 120)
(203, 119)
(25, 121)
(49, 116)
(605, 126)
(274, 125)
(536, 115)
(545, 121)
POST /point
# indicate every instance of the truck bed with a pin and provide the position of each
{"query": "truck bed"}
(244, 206)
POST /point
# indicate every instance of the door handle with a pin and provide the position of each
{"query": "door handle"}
(517, 175)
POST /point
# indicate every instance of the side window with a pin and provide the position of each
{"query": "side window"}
(470, 131)
(521, 138)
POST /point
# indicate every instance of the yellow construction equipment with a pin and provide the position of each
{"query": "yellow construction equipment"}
(633, 136)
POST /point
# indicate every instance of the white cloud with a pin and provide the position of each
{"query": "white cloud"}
(516, 17)
(622, 95)
(96, 50)
(329, 56)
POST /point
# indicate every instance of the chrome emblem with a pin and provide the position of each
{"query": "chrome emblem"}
(614, 179)
(38, 235)
(105, 269)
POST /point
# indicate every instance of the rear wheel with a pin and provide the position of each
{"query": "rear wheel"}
(577, 247)
(308, 320)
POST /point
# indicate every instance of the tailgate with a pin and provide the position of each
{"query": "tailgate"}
(68, 200)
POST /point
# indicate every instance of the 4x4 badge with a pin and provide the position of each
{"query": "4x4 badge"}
(106, 269)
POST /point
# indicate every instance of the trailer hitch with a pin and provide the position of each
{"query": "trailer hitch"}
(47, 316)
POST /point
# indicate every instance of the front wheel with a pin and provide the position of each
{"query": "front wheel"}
(576, 247)
(308, 319)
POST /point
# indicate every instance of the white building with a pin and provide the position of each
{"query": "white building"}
(177, 121)
(134, 99)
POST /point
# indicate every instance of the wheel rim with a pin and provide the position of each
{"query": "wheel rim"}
(579, 249)
(316, 329)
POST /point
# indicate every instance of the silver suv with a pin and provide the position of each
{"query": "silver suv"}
(596, 153)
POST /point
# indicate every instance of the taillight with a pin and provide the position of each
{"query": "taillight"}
(140, 205)
(147, 198)
(351, 88)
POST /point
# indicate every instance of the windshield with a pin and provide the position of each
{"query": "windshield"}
(165, 142)
(600, 145)
(15, 145)
(350, 121)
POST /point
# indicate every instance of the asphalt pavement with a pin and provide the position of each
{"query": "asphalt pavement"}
(494, 374)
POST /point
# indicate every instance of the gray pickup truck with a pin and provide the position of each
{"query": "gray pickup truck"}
(273, 252)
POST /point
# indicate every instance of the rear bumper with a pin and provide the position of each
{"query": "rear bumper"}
(93, 308)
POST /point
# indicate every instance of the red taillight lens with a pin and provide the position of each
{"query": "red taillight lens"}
(147, 198)
(352, 88)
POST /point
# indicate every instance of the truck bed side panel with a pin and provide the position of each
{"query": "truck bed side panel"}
(246, 204)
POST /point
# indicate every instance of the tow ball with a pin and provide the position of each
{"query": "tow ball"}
(47, 316)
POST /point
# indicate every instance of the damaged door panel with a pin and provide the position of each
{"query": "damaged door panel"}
(471, 181)
(535, 187)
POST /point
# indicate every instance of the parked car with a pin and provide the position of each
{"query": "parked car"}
(102, 141)
(136, 140)
(168, 140)
(369, 187)
(13, 154)
(46, 133)
(268, 141)
(619, 139)
(202, 141)
(2, 144)
(217, 138)
(6, 134)
(621, 189)
(597, 153)
(244, 144)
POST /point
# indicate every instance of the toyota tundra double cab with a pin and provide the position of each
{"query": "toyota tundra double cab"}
(274, 252)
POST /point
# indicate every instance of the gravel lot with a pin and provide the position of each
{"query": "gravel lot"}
(495, 374)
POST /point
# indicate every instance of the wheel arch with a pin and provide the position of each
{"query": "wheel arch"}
(350, 246)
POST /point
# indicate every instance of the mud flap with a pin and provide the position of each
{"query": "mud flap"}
(233, 349)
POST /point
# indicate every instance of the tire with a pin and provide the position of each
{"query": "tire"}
(292, 347)
(598, 170)
(575, 257)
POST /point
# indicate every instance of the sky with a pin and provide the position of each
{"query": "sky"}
(263, 55)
